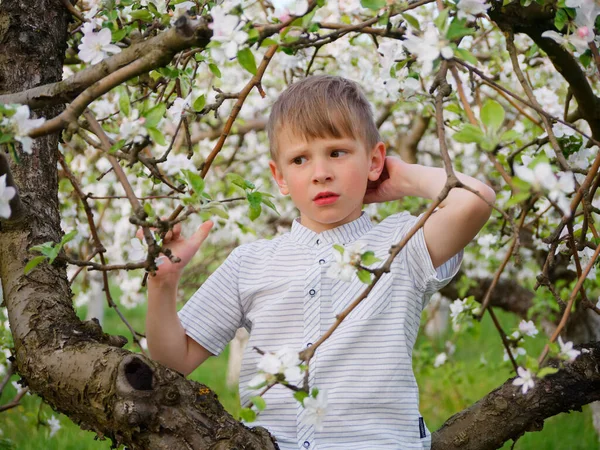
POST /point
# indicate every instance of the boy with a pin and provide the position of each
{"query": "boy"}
(328, 156)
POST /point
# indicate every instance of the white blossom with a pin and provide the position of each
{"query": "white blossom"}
(283, 362)
(181, 9)
(528, 328)
(515, 352)
(54, 425)
(344, 265)
(224, 31)
(286, 8)
(19, 124)
(316, 408)
(580, 43)
(567, 351)
(561, 130)
(138, 250)
(95, 46)
(470, 8)
(525, 379)
(133, 128)
(6, 195)
(177, 108)
(440, 359)
(486, 241)
(542, 177)
(427, 48)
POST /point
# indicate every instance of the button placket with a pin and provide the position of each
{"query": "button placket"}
(312, 331)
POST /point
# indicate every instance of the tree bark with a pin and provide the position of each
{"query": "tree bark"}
(85, 374)
(74, 366)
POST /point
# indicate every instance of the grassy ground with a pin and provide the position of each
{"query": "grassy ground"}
(444, 391)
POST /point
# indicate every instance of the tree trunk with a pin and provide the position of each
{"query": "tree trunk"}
(74, 366)
(85, 374)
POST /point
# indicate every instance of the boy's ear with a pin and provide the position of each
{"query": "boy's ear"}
(377, 161)
(278, 176)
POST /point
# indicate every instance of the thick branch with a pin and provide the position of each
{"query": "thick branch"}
(533, 21)
(156, 52)
(506, 413)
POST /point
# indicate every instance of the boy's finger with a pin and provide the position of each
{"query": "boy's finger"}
(176, 230)
(201, 233)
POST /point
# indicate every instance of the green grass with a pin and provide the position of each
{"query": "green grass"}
(444, 391)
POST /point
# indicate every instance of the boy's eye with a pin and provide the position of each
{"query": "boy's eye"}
(337, 153)
(298, 160)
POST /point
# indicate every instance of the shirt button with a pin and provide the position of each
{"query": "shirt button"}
(318, 242)
(312, 292)
(306, 444)
(309, 344)
(321, 261)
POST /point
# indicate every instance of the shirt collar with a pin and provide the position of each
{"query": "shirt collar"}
(344, 234)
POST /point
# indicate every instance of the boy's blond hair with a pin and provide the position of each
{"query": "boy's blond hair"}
(323, 106)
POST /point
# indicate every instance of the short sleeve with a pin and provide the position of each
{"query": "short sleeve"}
(213, 314)
(425, 277)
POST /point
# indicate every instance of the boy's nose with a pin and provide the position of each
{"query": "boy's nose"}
(322, 173)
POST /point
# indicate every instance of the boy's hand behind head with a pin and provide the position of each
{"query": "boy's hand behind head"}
(180, 247)
(388, 186)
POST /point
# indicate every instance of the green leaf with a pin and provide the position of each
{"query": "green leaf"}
(314, 392)
(199, 103)
(469, 133)
(117, 35)
(546, 371)
(517, 198)
(440, 20)
(215, 70)
(412, 20)
(246, 59)
(509, 136)
(368, 258)
(259, 402)
(239, 181)
(157, 136)
(364, 276)
(195, 180)
(492, 115)
(374, 5)
(141, 14)
(466, 55)
(561, 19)
(247, 415)
(154, 115)
(339, 248)
(124, 103)
(300, 396)
(458, 29)
(269, 203)
(254, 199)
(116, 146)
(531, 364)
(47, 248)
(68, 237)
(217, 211)
(33, 263)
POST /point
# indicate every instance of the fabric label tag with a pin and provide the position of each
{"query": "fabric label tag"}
(422, 428)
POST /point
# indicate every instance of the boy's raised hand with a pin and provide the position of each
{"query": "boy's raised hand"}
(180, 247)
(388, 186)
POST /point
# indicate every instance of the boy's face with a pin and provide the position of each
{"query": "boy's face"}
(326, 177)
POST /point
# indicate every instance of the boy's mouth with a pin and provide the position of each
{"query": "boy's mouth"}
(325, 198)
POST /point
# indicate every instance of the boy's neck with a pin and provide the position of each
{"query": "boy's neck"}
(320, 227)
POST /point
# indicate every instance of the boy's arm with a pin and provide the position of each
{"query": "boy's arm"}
(460, 216)
(168, 342)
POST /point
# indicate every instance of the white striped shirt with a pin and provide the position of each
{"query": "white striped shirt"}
(279, 291)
